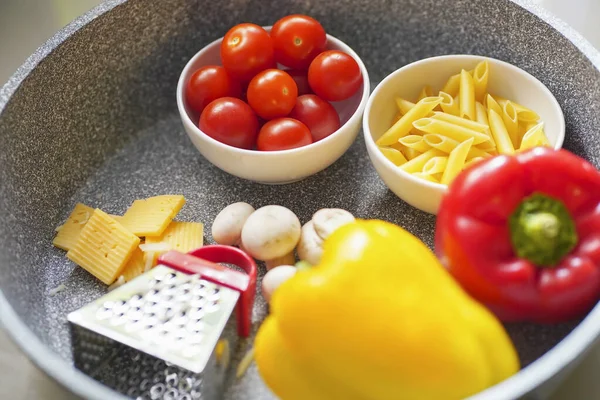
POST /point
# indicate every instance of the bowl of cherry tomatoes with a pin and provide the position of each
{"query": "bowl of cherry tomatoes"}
(274, 104)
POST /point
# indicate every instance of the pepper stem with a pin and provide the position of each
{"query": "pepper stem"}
(542, 230)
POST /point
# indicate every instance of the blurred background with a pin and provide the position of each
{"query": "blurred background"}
(26, 24)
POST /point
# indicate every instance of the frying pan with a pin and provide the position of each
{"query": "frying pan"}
(91, 117)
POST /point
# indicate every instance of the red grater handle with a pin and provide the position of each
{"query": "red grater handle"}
(203, 261)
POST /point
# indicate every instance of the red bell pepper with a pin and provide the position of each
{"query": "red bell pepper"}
(522, 235)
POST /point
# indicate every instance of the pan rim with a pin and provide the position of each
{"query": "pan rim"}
(540, 371)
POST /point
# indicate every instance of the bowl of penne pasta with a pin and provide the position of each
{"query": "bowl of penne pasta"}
(429, 120)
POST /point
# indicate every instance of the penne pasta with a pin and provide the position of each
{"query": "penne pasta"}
(467, 96)
(481, 114)
(472, 161)
(448, 104)
(427, 177)
(481, 75)
(524, 114)
(509, 116)
(476, 126)
(456, 161)
(447, 144)
(403, 105)
(404, 125)
(456, 132)
(452, 85)
(499, 133)
(414, 142)
(534, 137)
(425, 92)
(435, 165)
(394, 155)
(492, 104)
(409, 153)
(417, 163)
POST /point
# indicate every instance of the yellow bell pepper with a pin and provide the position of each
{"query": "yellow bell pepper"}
(378, 319)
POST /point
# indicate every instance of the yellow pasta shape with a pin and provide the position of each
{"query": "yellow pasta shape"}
(509, 116)
(404, 125)
(452, 85)
(150, 217)
(448, 104)
(427, 177)
(414, 142)
(417, 163)
(453, 131)
(409, 153)
(476, 126)
(393, 155)
(425, 92)
(524, 114)
(69, 231)
(473, 161)
(104, 247)
(467, 96)
(135, 265)
(481, 74)
(445, 144)
(180, 236)
(499, 133)
(435, 165)
(492, 104)
(403, 105)
(456, 161)
(481, 114)
(534, 137)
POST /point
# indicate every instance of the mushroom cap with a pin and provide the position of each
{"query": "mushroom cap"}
(271, 232)
(274, 278)
(227, 227)
(328, 220)
(310, 247)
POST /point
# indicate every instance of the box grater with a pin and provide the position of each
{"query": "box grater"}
(169, 333)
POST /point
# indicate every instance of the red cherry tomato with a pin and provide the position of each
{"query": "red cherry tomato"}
(210, 83)
(317, 114)
(230, 121)
(298, 39)
(283, 134)
(272, 93)
(334, 75)
(246, 50)
(301, 79)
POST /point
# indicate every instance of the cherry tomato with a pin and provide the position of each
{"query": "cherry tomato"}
(334, 75)
(246, 50)
(298, 39)
(210, 83)
(272, 93)
(283, 134)
(230, 121)
(301, 79)
(317, 114)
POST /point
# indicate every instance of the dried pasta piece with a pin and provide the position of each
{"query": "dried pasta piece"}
(69, 231)
(150, 217)
(180, 236)
(393, 155)
(103, 247)
(135, 265)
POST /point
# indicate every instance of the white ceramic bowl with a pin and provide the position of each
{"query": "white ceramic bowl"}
(275, 167)
(506, 80)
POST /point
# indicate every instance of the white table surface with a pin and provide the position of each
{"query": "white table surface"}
(25, 24)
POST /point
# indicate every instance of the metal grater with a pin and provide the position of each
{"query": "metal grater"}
(169, 333)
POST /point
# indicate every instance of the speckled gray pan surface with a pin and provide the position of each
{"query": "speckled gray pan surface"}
(96, 122)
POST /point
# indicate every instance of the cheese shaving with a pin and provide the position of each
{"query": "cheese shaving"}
(57, 289)
(155, 247)
(245, 364)
(118, 282)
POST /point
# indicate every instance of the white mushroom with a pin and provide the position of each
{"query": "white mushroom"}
(327, 220)
(271, 232)
(288, 259)
(274, 278)
(314, 232)
(227, 228)
(310, 247)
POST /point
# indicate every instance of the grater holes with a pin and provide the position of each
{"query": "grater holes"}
(157, 391)
(172, 379)
(171, 394)
(185, 384)
(184, 396)
(196, 395)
